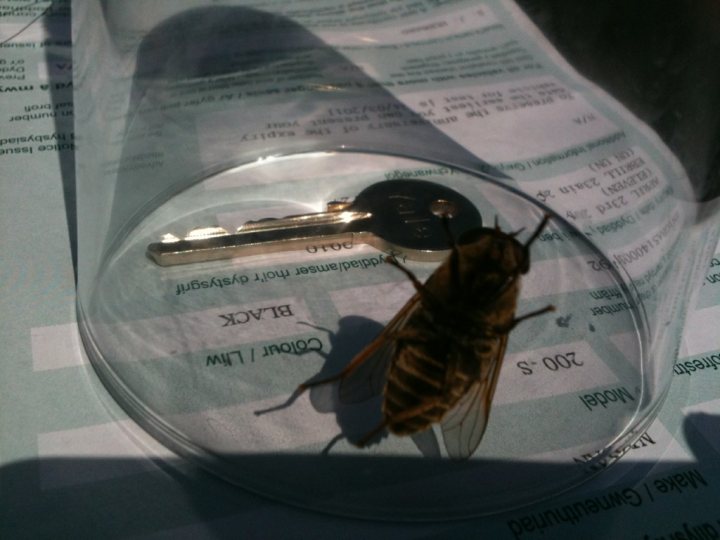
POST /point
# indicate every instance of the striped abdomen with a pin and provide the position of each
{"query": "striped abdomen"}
(428, 377)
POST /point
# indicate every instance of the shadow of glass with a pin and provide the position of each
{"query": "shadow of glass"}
(695, 429)
(58, 60)
(121, 497)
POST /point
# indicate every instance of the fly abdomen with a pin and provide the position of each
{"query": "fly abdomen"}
(415, 391)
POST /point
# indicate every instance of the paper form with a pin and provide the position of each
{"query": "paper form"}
(478, 73)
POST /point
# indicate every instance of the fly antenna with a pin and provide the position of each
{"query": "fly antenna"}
(537, 232)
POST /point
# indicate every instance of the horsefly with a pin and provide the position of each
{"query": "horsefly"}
(439, 358)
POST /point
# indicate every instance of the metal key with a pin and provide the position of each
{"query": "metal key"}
(395, 215)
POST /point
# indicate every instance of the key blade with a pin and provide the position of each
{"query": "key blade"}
(305, 220)
(205, 232)
(250, 242)
(258, 237)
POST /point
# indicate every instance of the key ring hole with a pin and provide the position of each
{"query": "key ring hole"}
(444, 208)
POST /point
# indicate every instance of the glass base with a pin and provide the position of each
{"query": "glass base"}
(207, 356)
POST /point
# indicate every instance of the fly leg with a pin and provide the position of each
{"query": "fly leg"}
(537, 232)
(336, 439)
(354, 363)
(532, 314)
(424, 293)
(300, 390)
(419, 287)
(506, 328)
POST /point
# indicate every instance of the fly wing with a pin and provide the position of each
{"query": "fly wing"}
(464, 426)
(368, 378)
